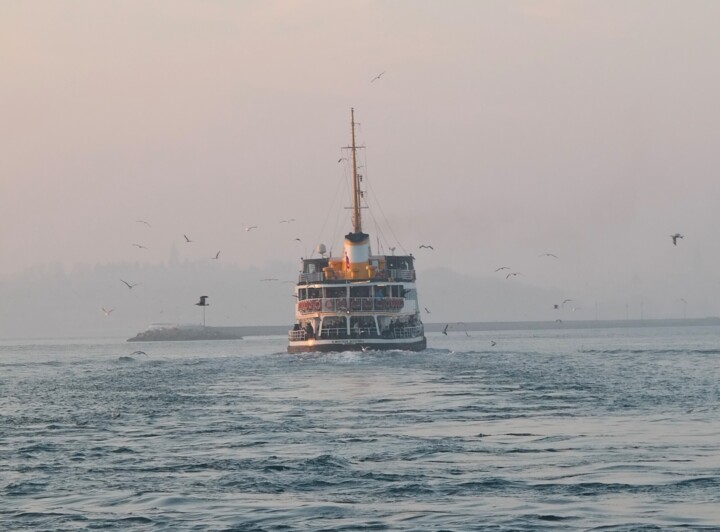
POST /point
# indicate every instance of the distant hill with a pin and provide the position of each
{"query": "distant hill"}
(50, 302)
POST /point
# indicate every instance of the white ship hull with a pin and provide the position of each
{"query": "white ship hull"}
(370, 344)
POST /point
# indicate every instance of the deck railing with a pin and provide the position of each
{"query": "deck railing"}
(408, 332)
(315, 277)
(296, 335)
(380, 275)
(401, 275)
(353, 304)
(412, 331)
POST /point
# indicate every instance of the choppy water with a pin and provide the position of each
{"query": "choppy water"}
(548, 430)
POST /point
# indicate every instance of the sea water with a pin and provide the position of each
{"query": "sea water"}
(612, 429)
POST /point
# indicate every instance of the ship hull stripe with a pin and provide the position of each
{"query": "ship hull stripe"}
(345, 345)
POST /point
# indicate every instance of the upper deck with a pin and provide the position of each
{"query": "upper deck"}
(380, 268)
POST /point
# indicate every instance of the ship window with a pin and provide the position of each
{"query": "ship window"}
(314, 293)
(359, 291)
(335, 291)
(310, 268)
(395, 290)
(302, 294)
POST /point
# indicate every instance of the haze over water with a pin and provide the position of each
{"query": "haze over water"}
(498, 132)
(548, 430)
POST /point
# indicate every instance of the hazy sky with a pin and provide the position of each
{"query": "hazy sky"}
(500, 131)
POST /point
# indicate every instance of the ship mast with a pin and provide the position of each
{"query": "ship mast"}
(357, 222)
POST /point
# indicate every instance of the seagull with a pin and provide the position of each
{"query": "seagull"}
(250, 228)
(675, 237)
(512, 274)
(464, 327)
(566, 301)
(444, 331)
(269, 279)
(130, 286)
(217, 256)
(493, 343)
(202, 302)
(143, 222)
(549, 255)
(106, 311)
(187, 239)
(139, 353)
(286, 221)
(556, 307)
(139, 246)
(502, 268)
(299, 240)
(377, 77)
(421, 246)
(426, 310)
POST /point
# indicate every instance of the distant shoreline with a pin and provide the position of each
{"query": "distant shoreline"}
(275, 330)
(281, 330)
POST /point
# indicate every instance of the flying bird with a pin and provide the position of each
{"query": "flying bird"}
(566, 301)
(187, 239)
(250, 228)
(556, 307)
(377, 77)
(493, 343)
(298, 240)
(269, 279)
(444, 331)
(143, 222)
(107, 311)
(502, 268)
(130, 286)
(549, 255)
(139, 353)
(217, 255)
(421, 246)
(139, 246)
(202, 302)
(426, 310)
(675, 238)
(464, 327)
(287, 221)
(512, 274)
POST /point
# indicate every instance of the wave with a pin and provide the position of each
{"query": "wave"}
(621, 351)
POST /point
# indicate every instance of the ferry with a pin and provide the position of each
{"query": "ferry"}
(356, 301)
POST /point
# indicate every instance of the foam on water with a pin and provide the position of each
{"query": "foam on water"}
(548, 430)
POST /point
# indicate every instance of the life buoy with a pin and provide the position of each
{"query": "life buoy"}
(329, 304)
(316, 304)
(355, 303)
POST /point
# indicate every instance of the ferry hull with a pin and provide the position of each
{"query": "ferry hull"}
(328, 346)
